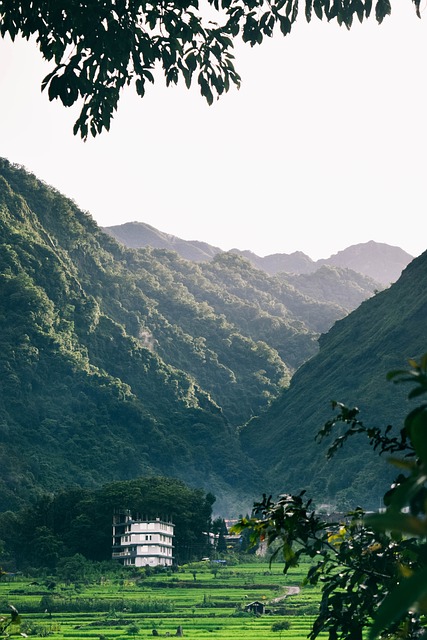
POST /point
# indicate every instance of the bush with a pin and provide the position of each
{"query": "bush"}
(132, 629)
(283, 625)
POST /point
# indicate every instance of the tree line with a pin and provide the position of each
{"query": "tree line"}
(78, 522)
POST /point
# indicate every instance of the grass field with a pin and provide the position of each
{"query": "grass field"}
(203, 605)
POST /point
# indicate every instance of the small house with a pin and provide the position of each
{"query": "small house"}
(256, 607)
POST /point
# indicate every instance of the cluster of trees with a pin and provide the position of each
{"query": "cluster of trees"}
(78, 522)
(372, 567)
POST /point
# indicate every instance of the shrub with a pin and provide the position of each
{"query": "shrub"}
(132, 629)
(283, 625)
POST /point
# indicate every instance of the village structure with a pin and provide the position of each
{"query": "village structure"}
(142, 542)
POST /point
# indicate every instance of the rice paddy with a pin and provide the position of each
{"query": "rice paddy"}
(197, 604)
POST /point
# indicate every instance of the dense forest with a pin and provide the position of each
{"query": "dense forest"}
(117, 363)
(85, 398)
(79, 521)
(120, 363)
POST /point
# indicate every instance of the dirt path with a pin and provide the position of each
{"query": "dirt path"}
(290, 591)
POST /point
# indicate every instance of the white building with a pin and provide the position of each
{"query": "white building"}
(142, 542)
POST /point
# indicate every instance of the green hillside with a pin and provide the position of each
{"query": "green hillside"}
(117, 363)
(84, 397)
(351, 367)
(334, 285)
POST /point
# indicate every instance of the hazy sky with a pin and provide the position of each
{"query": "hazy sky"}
(324, 145)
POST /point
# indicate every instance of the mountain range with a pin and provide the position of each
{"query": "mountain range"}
(379, 261)
(118, 362)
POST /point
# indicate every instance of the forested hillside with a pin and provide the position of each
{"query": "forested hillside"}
(117, 363)
(351, 367)
(85, 398)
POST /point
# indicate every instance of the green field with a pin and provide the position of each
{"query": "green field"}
(204, 603)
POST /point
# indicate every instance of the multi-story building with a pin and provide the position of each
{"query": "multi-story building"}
(141, 542)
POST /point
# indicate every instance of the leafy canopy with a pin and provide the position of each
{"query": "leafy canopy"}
(373, 568)
(100, 47)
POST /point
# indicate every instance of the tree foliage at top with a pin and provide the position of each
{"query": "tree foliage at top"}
(98, 48)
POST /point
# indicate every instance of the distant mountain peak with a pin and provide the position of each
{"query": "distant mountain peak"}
(379, 261)
(136, 235)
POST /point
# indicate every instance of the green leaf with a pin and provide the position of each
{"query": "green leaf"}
(148, 75)
(382, 9)
(308, 9)
(360, 10)
(285, 25)
(187, 76)
(49, 77)
(317, 6)
(401, 522)
(205, 90)
(334, 11)
(191, 61)
(408, 375)
(140, 87)
(294, 11)
(399, 601)
(418, 434)
(406, 492)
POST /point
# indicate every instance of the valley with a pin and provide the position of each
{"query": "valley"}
(134, 379)
(119, 363)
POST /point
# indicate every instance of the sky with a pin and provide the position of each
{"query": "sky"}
(324, 146)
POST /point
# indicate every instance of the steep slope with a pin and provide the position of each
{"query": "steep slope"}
(84, 397)
(144, 293)
(351, 366)
(118, 362)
